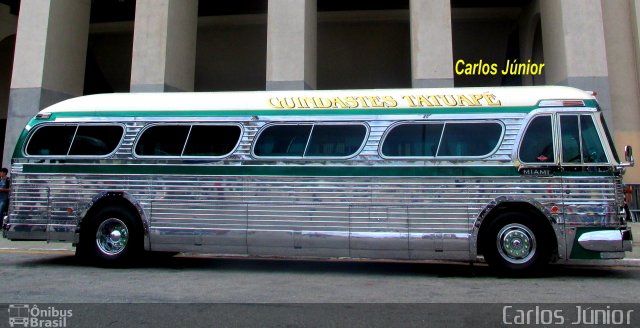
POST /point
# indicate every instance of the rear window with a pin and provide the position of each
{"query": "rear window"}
(197, 140)
(442, 139)
(74, 140)
(310, 140)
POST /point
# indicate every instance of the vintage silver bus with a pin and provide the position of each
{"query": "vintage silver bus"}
(519, 176)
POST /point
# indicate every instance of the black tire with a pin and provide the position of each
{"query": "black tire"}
(111, 237)
(516, 243)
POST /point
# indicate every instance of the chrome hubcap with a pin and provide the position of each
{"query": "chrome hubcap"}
(112, 236)
(116, 235)
(516, 243)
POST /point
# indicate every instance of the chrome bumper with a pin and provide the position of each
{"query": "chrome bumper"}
(607, 240)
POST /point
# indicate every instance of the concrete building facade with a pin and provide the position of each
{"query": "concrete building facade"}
(51, 50)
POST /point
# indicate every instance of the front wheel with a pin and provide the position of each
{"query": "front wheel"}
(516, 243)
(112, 237)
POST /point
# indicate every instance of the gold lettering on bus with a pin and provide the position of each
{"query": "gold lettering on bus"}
(407, 101)
(410, 99)
(491, 99)
(375, 101)
(389, 101)
(464, 101)
(422, 100)
(449, 100)
(434, 100)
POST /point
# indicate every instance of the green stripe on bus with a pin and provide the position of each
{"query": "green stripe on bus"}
(287, 170)
(284, 112)
(608, 172)
(267, 170)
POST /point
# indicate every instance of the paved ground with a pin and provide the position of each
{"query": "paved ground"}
(199, 291)
(42, 278)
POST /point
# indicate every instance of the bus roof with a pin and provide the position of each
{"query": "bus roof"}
(524, 98)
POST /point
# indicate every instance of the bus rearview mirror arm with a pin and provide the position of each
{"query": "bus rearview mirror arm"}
(628, 157)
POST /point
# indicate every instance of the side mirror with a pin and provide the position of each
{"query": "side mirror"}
(628, 155)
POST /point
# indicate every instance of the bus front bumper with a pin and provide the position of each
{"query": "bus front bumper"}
(607, 240)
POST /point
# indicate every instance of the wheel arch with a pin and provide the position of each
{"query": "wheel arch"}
(115, 198)
(531, 207)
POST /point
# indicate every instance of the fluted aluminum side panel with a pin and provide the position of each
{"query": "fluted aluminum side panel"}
(591, 201)
(394, 217)
(131, 132)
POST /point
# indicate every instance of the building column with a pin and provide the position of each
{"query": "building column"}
(431, 43)
(623, 48)
(164, 45)
(635, 19)
(574, 47)
(49, 60)
(291, 45)
(8, 26)
(8, 22)
(530, 35)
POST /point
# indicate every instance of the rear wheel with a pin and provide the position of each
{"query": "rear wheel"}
(516, 243)
(112, 236)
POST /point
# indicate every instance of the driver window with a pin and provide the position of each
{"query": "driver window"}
(537, 143)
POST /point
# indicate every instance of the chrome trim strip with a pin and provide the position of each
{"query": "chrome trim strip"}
(602, 241)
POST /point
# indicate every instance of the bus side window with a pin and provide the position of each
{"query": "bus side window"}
(469, 139)
(96, 140)
(282, 141)
(412, 140)
(51, 140)
(162, 140)
(459, 139)
(335, 140)
(537, 142)
(212, 140)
